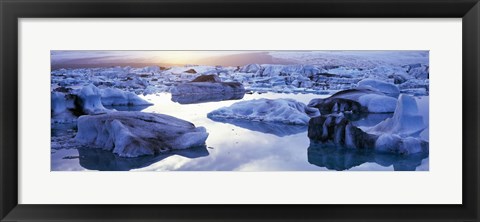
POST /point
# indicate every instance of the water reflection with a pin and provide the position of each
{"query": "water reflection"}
(63, 129)
(98, 159)
(128, 108)
(334, 158)
(276, 129)
(202, 98)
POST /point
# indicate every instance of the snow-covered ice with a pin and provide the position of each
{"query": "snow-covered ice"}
(285, 111)
(250, 68)
(406, 120)
(132, 134)
(116, 97)
(90, 100)
(369, 100)
(401, 132)
(67, 104)
(387, 88)
(376, 103)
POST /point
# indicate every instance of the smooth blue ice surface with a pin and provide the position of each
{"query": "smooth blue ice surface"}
(239, 145)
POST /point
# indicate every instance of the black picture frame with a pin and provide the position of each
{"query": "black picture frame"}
(12, 10)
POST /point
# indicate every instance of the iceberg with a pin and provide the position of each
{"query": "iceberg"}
(208, 84)
(61, 107)
(284, 70)
(406, 120)
(335, 105)
(387, 88)
(336, 129)
(355, 100)
(419, 71)
(151, 69)
(285, 111)
(90, 101)
(132, 134)
(402, 132)
(399, 134)
(367, 119)
(250, 68)
(68, 104)
(378, 103)
(117, 97)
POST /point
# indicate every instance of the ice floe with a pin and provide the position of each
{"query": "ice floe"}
(285, 111)
(132, 134)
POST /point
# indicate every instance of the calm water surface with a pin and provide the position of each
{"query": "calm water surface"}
(240, 145)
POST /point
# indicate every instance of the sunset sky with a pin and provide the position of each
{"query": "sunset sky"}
(80, 58)
(358, 59)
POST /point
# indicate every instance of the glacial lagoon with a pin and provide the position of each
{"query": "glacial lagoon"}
(234, 145)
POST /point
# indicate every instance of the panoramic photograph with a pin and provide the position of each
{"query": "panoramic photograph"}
(239, 110)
